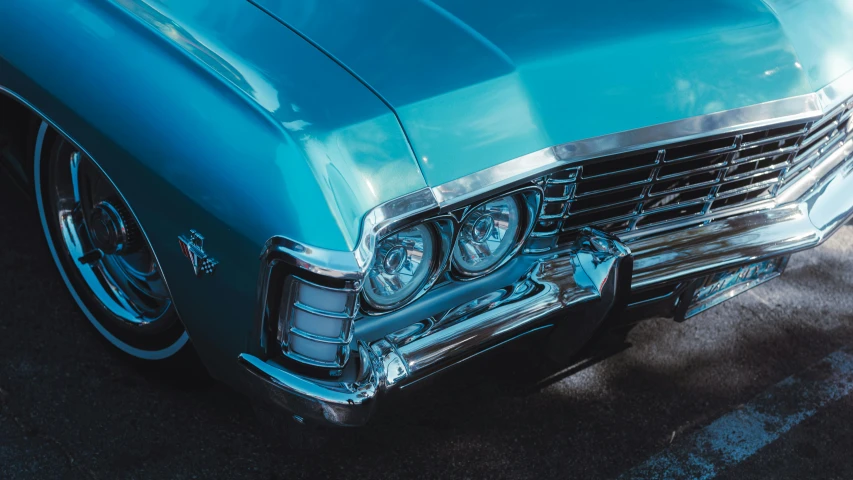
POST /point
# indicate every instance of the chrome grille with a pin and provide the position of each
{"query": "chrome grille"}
(823, 137)
(680, 185)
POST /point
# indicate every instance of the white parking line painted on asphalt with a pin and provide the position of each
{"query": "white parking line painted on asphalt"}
(738, 435)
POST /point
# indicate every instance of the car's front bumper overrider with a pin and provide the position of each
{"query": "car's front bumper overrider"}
(582, 284)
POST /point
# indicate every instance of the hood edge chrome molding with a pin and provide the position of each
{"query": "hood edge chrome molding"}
(793, 109)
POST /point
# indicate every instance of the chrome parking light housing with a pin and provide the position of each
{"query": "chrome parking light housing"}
(315, 322)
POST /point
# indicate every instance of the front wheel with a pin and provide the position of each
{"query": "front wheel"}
(102, 252)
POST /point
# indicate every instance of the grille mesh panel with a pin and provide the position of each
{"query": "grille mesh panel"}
(680, 185)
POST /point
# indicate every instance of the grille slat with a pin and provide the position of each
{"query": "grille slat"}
(681, 184)
(821, 134)
(774, 135)
(577, 208)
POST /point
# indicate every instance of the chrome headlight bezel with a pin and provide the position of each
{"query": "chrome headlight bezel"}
(442, 229)
(447, 228)
(528, 201)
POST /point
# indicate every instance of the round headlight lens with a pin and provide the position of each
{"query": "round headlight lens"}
(401, 267)
(487, 235)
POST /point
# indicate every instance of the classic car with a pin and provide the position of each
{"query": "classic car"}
(329, 202)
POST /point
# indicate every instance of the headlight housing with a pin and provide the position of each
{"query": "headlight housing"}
(409, 261)
(406, 263)
(492, 232)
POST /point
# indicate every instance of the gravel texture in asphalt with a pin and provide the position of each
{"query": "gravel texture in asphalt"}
(71, 408)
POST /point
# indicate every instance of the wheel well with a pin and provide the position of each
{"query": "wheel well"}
(17, 125)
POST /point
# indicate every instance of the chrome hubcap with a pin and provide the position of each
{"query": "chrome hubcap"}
(108, 229)
(104, 244)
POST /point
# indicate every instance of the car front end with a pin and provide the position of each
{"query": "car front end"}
(682, 215)
(388, 189)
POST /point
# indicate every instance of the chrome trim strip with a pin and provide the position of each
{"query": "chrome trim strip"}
(345, 404)
(801, 108)
(322, 338)
(321, 313)
(458, 190)
(330, 263)
(352, 265)
(386, 217)
(837, 92)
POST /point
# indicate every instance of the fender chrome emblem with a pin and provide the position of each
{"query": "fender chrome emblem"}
(193, 248)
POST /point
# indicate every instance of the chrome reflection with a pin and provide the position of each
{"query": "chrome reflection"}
(487, 234)
(493, 232)
(102, 242)
(428, 201)
(406, 264)
(402, 265)
(582, 281)
(789, 110)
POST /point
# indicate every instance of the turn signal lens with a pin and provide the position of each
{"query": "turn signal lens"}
(488, 234)
(315, 322)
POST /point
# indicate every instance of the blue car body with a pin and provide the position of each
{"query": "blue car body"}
(254, 119)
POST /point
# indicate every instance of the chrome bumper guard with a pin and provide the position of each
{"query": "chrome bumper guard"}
(579, 283)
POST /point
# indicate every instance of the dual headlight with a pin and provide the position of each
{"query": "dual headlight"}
(408, 262)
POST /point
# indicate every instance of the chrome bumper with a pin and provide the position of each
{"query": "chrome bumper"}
(580, 285)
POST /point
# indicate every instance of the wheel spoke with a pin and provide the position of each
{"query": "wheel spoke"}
(74, 163)
(148, 283)
(91, 257)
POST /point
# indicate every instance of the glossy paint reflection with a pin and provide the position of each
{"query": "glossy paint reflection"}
(820, 34)
(350, 141)
(477, 86)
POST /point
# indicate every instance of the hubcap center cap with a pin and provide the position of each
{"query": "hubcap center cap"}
(107, 228)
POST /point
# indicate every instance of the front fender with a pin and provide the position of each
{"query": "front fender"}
(211, 116)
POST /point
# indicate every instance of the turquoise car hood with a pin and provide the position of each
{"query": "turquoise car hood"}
(475, 84)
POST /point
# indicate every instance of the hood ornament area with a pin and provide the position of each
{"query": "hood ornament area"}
(192, 246)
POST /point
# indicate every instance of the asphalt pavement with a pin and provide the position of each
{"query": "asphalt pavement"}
(71, 408)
